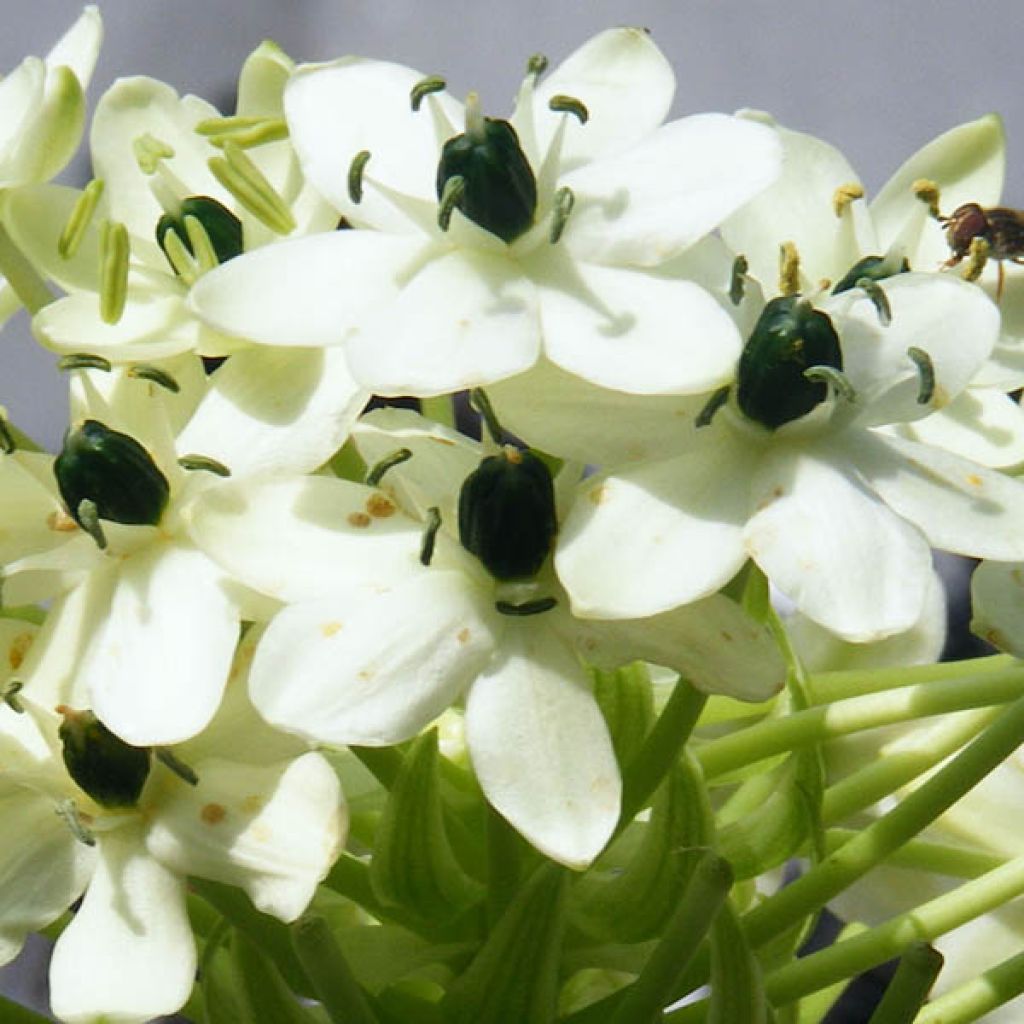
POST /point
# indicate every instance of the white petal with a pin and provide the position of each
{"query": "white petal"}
(158, 665)
(540, 746)
(274, 830)
(958, 505)
(128, 954)
(79, 47)
(465, 319)
(21, 92)
(275, 410)
(661, 534)
(623, 80)
(337, 110)
(997, 602)
(305, 291)
(634, 330)
(30, 510)
(300, 538)
(373, 668)
(43, 868)
(649, 203)
(833, 548)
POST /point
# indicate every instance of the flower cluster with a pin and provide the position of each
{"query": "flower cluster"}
(545, 664)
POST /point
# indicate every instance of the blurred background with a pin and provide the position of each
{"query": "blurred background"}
(875, 79)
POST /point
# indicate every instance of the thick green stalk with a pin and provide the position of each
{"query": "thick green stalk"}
(977, 997)
(440, 409)
(921, 855)
(24, 279)
(918, 968)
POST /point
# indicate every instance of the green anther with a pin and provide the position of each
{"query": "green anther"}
(738, 279)
(80, 219)
(114, 254)
(167, 758)
(563, 204)
(67, 811)
(423, 88)
(569, 105)
(199, 240)
(246, 132)
(482, 404)
(538, 607)
(7, 443)
(9, 695)
(246, 182)
(430, 535)
(454, 188)
(926, 373)
(713, 404)
(150, 151)
(89, 518)
(203, 463)
(825, 374)
(395, 458)
(144, 371)
(537, 65)
(355, 175)
(873, 268)
(874, 291)
(180, 258)
(84, 361)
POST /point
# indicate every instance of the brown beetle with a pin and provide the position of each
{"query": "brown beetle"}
(1000, 226)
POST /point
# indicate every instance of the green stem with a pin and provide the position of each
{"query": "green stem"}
(919, 809)
(383, 763)
(856, 714)
(440, 409)
(645, 771)
(24, 279)
(919, 967)
(504, 865)
(924, 923)
(329, 973)
(14, 1013)
(935, 858)
(972, 1000)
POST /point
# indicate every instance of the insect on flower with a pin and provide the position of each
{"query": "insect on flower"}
(1000, 227)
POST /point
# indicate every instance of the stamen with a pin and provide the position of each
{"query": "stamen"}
(537, 65)
(482, 404)
(789, 269)
(928, 192)
(145, 371)
(114, 254)
(424, 87)
(246, 132)
(150, 152)
(569, 105)
(563, 204)
(844, 195)
(202, 247)
(89, 517)
(167, 758)
(977, 257)
(926, 372)
(84, 361)
(204, 463)
(874, 291)
(180, 258)
(9, 695)
(396, 458)
(454, 188)
(67, 811)
(713, 404)
(738, 280)
(836, 378)
(80, 219)
(538, 607)
(475, 118)
(355, 175)
(430, 535)
(246, 182)
(7, 442)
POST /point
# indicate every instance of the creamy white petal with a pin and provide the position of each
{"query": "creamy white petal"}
(306, 537)
(997, 603)
(274, 830)
(305, 291)
(373, 667)
(464, 319)
(649, 538)
(128, 954)
(79, 47)
(645, 205)
(21, 92)
(958, 505)
(634, 330)
(540, 746)
(833, 547)
(158, 664)
(31, 512)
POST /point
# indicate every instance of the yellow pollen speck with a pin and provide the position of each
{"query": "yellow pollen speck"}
(360, 519)
(512, 454)
(252, 804)
(330, 628)
(974, 480)
(18, 649)
(598, 495)
(379, 506)
(447, 441)
(366, 674)
(213, 814)
(60, 522)
(844, 195)
(463, 635)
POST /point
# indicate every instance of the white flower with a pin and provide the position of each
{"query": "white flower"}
(374, 644)
(423, 310)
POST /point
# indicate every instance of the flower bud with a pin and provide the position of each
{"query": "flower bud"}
(507, 514)
(109, 770)
(221, 225)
